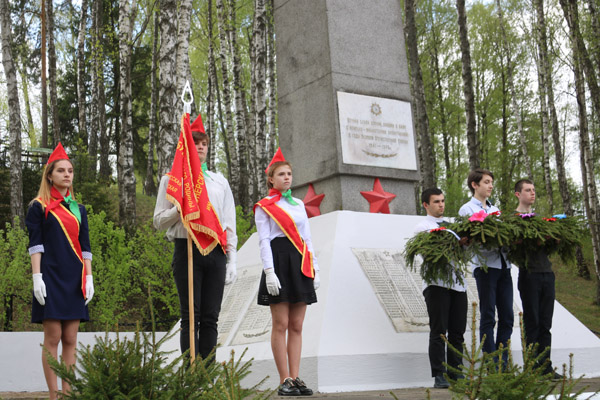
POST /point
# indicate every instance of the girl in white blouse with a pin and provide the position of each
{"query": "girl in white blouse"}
(291, 274)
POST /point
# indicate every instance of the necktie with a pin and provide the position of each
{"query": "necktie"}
(205, 170)
(443, 223)
(288, 196)
(73, 206)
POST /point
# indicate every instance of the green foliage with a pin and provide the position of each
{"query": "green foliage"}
(443, 249)
(486, 377)
(244, 225)
(491, 233)
(15, 285)
(139, 369)
(126, 271)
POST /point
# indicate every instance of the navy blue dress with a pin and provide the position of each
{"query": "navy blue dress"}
(61, 268)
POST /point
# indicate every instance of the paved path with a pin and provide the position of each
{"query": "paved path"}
(401, 394)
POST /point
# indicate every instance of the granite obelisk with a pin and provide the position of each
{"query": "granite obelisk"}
(344, 100)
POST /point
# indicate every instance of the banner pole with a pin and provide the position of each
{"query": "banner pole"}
(191, 299)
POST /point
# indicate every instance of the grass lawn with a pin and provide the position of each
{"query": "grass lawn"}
(578, 295)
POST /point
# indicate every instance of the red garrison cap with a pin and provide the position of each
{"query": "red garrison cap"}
(58, 154)
(276, 158)
(197, 126)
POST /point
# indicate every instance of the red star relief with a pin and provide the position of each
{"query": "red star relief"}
(378, 198)
(312, 201)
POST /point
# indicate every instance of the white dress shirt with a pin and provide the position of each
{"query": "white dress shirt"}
(491, 258)
(167, 217)
(268, 229)
(428, 223)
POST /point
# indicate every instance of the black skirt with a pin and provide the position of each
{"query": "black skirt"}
(295, 286)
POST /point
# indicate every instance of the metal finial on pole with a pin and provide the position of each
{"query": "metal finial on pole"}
(187, 105)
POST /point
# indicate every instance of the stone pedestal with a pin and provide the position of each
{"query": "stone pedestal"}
(326, 47)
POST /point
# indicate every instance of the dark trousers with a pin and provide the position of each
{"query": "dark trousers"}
(495, 289)
(537, 295)
(209, 281)
(447, 311)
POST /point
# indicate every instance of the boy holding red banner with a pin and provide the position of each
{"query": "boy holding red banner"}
(196, 202)
(290, 275)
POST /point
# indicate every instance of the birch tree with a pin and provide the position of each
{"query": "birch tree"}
(52, 74)
(467, 75)
(426, 156)
(546, 82)
(259, 67)
(14, 119)
(182, 63)
(272, 83)
(210, 125)
(81, 76)
(227, 128)
(169, 116)
(99, 98)
(150, 182)
(126, 175)
(516, 110)
(43, 77)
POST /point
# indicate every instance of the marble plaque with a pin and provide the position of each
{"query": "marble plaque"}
(376, 131)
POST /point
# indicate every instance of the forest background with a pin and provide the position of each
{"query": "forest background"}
(507, 85)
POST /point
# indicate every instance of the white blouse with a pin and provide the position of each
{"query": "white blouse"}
(268, 229)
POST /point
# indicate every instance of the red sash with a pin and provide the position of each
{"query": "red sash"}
(187, 191)
(288, 226)
(70, 227)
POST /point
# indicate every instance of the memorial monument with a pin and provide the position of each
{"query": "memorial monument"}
(344, 103)
(345, 123)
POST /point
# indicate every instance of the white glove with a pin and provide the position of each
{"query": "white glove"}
(89, 288)
(231, 273)
(39, 288)
(317, 280)
(273, 284)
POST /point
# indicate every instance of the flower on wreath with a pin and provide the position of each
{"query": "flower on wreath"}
(495, 213)
(478, 216)
(441, 228)
(549, 219)
(559, 216)
(527, 215)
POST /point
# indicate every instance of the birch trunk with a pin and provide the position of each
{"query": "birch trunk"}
(545, 129)
(169, 115)
(23, 72)
(243, 132)
(100, 103)
(260, 44)
(434, 52)
(52, 75)
(513, 94)
(14, 117)
(571, 13)
(210, 125)
(546, 82)
(81, 75)
(418, 90)
(595, 19)
(228, 131)
(150, 182)
(467, 77)
(272, 88)
(590, 195)
(182, 64)
(126, 176)
(44, 85)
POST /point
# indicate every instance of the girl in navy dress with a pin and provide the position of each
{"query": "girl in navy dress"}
(61, 262)
(290, 272)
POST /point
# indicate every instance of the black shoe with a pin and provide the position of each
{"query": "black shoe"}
(288, 388)
(304, 391)
(440, 382)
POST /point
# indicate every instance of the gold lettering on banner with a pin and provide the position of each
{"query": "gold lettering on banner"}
(188, 194)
